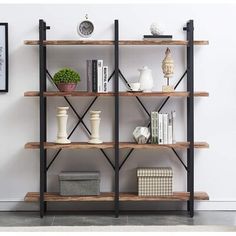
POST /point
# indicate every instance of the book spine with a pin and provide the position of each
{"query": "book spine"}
(160, 128)
(105, 79)
(99, 76)
(153, 127)
(94, 64)
(165, 128)
(170, 140)
(89, 76)
(156, 127)
(173, 117)
(170, 136)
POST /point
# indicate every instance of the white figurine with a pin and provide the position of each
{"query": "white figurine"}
(141, 134)
(168, 70)
(156, 29)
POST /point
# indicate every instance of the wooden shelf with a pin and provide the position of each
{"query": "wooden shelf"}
(111, 42)
(55, 197)
(109, 145)
(128, 94)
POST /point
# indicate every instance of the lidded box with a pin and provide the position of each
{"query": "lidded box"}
(79, 183)
(156, 181)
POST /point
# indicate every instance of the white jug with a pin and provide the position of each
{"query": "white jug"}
(145, 79)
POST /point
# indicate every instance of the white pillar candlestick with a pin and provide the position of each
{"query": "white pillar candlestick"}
(62, 118)
(95, 123)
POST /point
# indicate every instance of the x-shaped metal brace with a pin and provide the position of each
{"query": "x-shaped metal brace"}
(80, 120)
(158, 109)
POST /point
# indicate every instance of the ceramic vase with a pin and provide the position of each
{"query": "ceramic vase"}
(145, 79)
(95, 123)
(62, 118)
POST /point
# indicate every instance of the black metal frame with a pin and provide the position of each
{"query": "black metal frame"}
(116, 73)
(5, 90)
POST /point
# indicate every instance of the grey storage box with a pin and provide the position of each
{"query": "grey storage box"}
(79, 183)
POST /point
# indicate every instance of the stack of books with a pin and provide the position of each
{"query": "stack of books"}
(97, 76)
(157, 37)
(162, 127)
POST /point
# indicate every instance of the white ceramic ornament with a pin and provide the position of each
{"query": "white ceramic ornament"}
(156, 29)
(145, 79)
(62, 118)
(168, 70)
(95, 123)
(141, 134)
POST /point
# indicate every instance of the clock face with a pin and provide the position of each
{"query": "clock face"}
(85, 28)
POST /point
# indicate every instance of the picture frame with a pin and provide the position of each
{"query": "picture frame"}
(3, 57)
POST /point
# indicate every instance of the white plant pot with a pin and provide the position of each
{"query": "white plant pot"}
(62, 118)
(95, 123)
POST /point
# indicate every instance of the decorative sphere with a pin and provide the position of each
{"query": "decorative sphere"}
(156, 29)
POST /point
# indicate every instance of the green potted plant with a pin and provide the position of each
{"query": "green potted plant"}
(66, 79)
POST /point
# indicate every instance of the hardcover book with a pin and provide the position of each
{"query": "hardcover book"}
(94, 75)
(165, 128)
(99, 76)
(105, 79)
(89, 76)
(160, 130)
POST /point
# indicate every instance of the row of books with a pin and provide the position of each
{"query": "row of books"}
(97, 76)
(162, 127)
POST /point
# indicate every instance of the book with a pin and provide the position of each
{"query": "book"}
(153, 127)
(173, 117)
(99, 76)
(105, 78)
(156, 127)
(94, 75)
(165, 128)
(160, 128)
(169, 139)
(89, 76)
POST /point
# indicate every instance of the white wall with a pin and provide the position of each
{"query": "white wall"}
(214, 116)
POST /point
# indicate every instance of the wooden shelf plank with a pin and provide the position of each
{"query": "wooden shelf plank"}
(128, 94)
(111, 42)
(73, 145)
(109, 145)
(178, 145)
(55, 197)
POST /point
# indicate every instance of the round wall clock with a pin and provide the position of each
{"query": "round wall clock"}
(85, 28)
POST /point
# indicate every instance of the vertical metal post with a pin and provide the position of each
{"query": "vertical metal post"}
(43, 115)
(190, 115)
(116, 118)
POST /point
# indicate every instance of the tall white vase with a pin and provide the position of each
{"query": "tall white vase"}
(95, 123)
(62, 118)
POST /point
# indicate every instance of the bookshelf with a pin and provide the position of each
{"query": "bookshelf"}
(43, 196)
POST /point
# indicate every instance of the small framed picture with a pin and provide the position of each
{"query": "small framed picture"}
(3, 57)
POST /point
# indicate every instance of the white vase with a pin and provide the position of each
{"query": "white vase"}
(62, 118)
(95, 123)
(145, 79)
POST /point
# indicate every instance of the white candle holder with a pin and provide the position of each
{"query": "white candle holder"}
(62, 118)
(95, 123)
